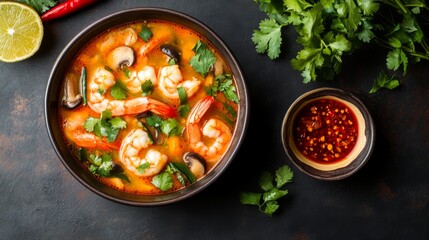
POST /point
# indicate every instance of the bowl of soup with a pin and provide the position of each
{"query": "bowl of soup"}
(146, 106)
(328, 133)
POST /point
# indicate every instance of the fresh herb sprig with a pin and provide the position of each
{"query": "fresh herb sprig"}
(328, 29)
(273, 189)
(40, 6)
(106, 126)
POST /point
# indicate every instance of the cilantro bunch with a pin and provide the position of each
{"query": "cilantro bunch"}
(329, 29)
(106, 126)
(272, 190)
(40, 6)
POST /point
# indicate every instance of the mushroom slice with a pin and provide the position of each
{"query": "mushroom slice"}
(171, 51)
(195, 163)
(120, 57)
(72, 97)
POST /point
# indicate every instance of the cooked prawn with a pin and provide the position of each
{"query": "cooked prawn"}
(170, 78)
(134, 83)
(75, 132)
(214, 129)
(129, 154)
(102, 80)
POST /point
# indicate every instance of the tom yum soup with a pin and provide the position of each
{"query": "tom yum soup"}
(148, 107)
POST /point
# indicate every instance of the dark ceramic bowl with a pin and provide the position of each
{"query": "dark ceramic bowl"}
(54, 88)
(352, 162)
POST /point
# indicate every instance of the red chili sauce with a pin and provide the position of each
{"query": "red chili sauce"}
(325, 130)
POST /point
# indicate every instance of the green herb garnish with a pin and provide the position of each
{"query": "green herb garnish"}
(203, 58)
(224, 84)
(163, 181)
(145, 34)
(384, 81)
(147, 88)
(118, 91)
(106, 126)
(272, 190)
(169, 127)
(184, 106)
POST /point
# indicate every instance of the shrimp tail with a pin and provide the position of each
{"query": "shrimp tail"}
(161, 108)
(89, 140)
(192, 128)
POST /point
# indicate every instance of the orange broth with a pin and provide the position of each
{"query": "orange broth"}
(94, 56)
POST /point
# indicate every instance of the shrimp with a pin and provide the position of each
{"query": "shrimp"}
(127, 36)
(170, 78)
(214, 129)
(75, 132)
(134, 83)
(136, 141)
(102, 80)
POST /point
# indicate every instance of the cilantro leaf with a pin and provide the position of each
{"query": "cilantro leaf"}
(203, 58)
(250, 198)
(224, 83)
(268, 38)
(147, 88)
(171, 127)
(145, 34)
(267, 201)
(283, 175)
(40, 6)
(142, 167)
(118, 91)
(266, 181)
(163, 181)
(106, 126)
(154, 121)
(384, 81)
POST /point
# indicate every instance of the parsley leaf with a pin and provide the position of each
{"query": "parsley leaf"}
(267, 200)
(203, 58)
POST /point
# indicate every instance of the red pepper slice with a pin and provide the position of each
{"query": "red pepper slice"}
(65, 8)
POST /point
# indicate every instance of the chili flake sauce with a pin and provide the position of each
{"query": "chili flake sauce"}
(325, 130)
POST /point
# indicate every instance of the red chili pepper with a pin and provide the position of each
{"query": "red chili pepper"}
(66, 8)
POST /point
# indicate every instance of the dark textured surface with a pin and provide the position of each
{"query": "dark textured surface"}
(387, 199)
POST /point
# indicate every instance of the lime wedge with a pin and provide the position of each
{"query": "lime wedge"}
(21, 31)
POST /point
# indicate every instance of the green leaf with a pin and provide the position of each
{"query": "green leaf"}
(395, 58)
(369, 7)
(118, 91)
(273, 194)
(384, 81)
(266, 181)
(296, 5)
(142, 168)
(184, 110)
(224, 84)
(183, 169)
(250, 198)
(203, 58)
(183, 96)
(283, 175)
(163, 181)
(171, 127)
(268, 38)
(40, 6)
(154, 121)
(90, 123)
(118, 123)
(147, 88)
(145, 34)
(271, 207)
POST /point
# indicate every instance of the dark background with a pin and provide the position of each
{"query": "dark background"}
(386, 199)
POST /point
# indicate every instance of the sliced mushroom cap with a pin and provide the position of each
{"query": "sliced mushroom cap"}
(217, 67)
(120, 57)
(195, 163)
(72, 97)
(171, 51)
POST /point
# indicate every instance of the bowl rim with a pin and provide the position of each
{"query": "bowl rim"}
(105, 23)
(356, 163)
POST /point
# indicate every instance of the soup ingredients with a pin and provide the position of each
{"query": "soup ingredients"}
(214, 129)
(170, 78)
(92, 133)
(172, 52)
(325, 130)
(71, 94)
(102, 80)
(196, 163)
(203, 59)
(21, 31)
(66, 8)
(153, 161)
(121, 57)
(273, 190)
(327, 30)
